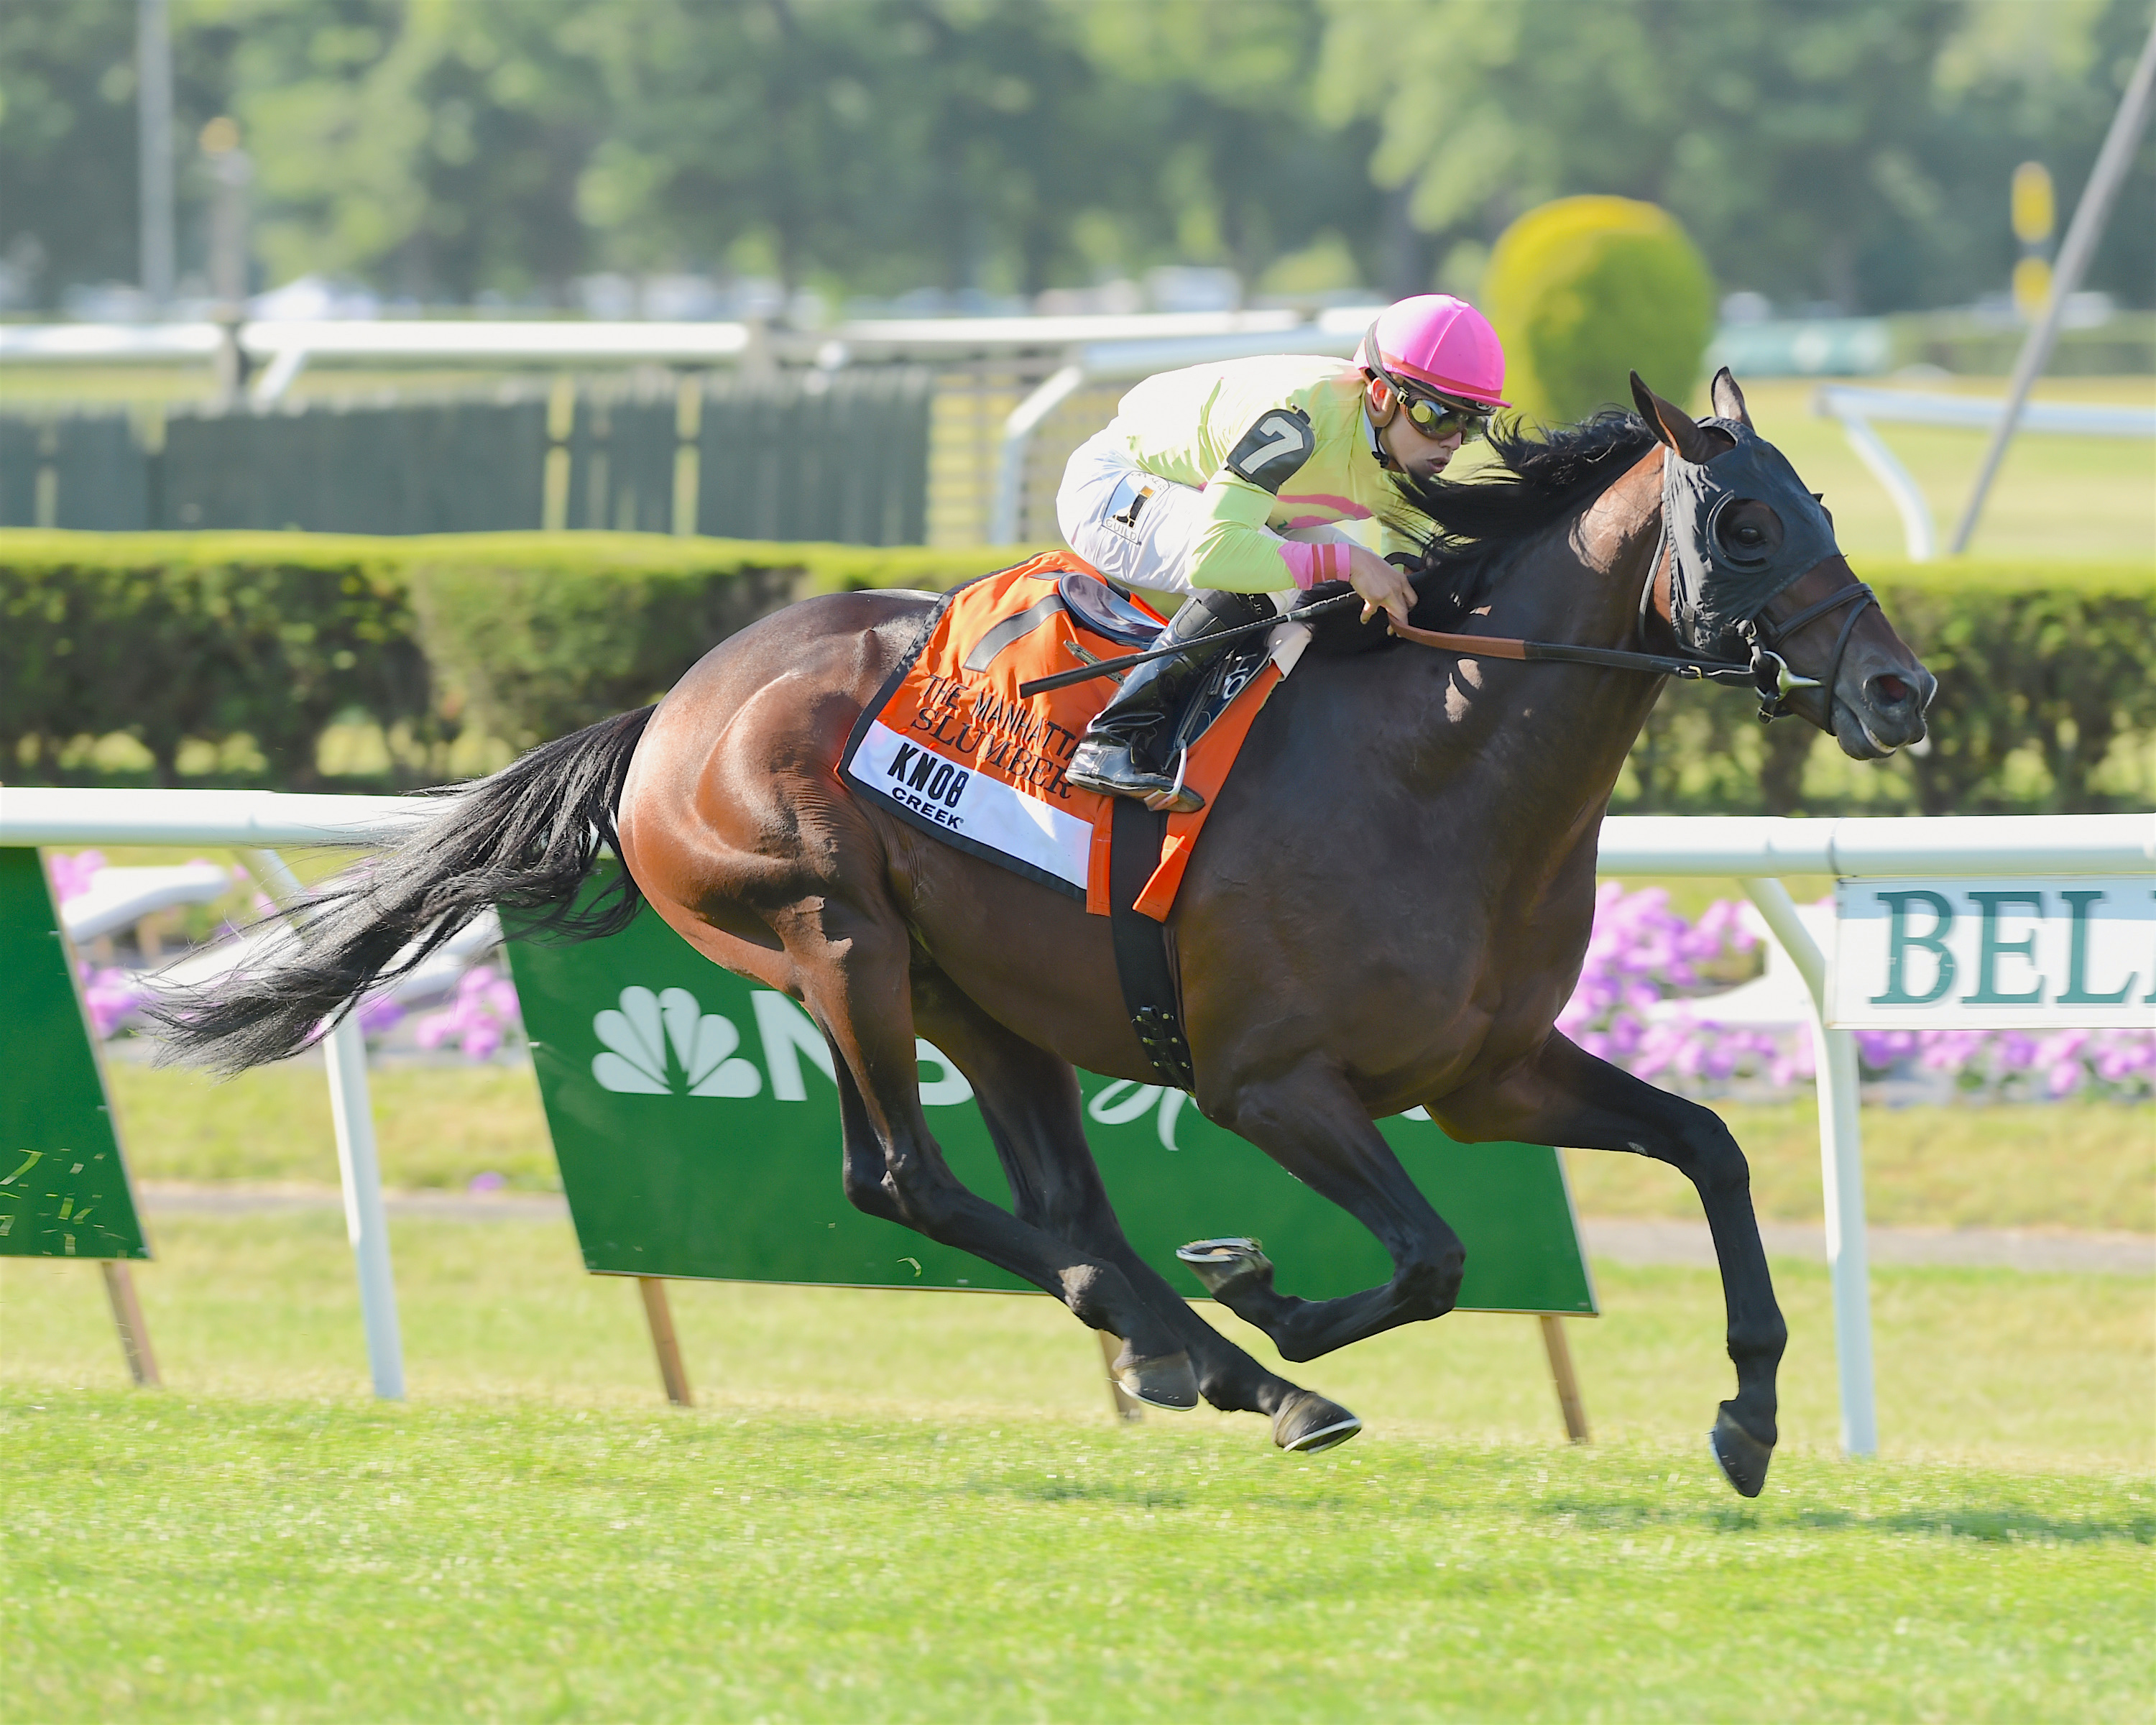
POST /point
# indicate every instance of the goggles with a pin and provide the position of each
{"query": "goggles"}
(1440, 417)
(1436, 417)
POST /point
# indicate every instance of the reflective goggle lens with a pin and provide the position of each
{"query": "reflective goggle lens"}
(1441, 418)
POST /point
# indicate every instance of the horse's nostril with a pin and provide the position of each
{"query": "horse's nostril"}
(1891, 690)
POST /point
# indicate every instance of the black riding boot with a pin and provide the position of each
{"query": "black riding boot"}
(1125, 750)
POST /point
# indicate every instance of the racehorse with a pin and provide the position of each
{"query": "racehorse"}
(1389, 907)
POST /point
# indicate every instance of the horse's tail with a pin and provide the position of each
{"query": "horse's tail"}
(524, 839)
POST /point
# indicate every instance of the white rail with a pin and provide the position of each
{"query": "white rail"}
(1857, 408)
(479, 340)
(1762, 852)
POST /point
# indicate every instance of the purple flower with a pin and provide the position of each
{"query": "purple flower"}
(111, 997)
(73, 875)
(477, 1019)
(379, 1015)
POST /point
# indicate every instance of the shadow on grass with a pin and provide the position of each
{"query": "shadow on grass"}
(2001, 1524)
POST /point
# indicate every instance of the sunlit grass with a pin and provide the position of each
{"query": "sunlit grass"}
(2056, 496)
(896, 1505)
(1996, 1365)
(2061, 1165)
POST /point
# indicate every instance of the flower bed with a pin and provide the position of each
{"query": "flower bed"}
(1646, 1002)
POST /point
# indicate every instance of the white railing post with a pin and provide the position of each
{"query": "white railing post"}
(1918, 537)
(344, 1053)
(1841, 1173)
(1006, 519)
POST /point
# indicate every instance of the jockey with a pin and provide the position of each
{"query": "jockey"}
(1225, 481)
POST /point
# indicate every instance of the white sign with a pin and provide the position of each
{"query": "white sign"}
(2039, 952)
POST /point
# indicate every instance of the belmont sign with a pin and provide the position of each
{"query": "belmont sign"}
(2035, 952)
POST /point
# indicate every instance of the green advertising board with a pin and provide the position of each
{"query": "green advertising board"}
(696, 1126)
(63, 1189)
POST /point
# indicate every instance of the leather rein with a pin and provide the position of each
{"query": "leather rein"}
(1767, 673)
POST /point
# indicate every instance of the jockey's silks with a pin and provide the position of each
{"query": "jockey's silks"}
(1277, 443)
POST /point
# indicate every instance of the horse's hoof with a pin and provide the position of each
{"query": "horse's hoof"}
(1741, 1457)
(1307, 1422)
(1222, 1264)
(1165, 1381)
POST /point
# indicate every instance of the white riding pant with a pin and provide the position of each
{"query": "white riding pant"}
(1139, 529)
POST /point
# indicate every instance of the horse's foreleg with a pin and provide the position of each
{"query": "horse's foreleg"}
(1030, 1099)
(1568, 1096)
(852, 968)
(1311, 1124)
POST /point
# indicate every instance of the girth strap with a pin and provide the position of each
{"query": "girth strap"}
(1151, 994)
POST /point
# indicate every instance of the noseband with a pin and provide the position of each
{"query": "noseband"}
(1771, 676)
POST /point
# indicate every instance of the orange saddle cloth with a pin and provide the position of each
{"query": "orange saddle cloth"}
(950, 746)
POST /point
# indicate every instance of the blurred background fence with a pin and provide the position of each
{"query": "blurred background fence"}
(839, 456)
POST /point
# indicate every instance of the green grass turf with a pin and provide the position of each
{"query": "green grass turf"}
(2070, 496)
(290, 1562)
(893, 1505)
(2062, 1165)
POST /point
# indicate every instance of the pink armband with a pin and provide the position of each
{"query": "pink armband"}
(1310, 564)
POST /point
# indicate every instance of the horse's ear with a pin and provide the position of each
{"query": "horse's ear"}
(1672, 424)
(1729, 399)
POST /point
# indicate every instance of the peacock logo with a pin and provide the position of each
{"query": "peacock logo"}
(648, 1028)
(666, 1044)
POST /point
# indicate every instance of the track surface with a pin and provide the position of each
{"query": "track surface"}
(1622, 1242)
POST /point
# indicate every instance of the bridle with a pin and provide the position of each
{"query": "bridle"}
(1771, 676)
(1765, 671)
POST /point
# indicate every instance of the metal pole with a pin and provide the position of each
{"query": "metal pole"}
(2086, 229)
(1841, 1173)
(1005, 522)
(344, 1052)
(153, 111)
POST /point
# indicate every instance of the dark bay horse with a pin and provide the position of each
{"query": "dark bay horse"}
(1390, 906)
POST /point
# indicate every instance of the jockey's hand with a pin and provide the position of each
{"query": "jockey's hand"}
(1383, 587)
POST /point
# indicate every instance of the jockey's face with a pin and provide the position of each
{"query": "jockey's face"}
(1412, 452)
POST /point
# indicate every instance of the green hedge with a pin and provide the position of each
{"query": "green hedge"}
(2045, 704)
(174, 637)
(1584, 291)
(2046, 700)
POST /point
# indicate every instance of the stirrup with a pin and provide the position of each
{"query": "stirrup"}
(1136, 782)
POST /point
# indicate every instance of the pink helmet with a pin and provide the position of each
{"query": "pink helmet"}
(1444, 342)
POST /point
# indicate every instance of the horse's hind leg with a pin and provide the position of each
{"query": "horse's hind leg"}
(1030, 1099)
(1568, 1096)
(1311, 1123)
(852, 969)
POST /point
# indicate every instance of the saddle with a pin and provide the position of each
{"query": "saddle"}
(949, 745)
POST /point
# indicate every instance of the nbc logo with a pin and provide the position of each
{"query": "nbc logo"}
(648, 1027)
(666, 1044)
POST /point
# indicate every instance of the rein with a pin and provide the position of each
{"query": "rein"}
(1766, 673)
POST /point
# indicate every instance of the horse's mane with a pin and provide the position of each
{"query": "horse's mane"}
(1536, 482)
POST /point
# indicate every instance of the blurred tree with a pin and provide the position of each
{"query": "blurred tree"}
(68, 161)
(1834, 149)
(1755, 124)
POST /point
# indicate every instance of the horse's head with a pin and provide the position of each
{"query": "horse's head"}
(1752, 568)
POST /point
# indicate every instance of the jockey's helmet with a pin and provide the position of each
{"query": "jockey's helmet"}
(1443, 343)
